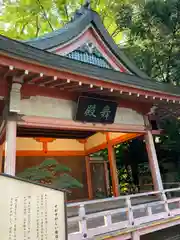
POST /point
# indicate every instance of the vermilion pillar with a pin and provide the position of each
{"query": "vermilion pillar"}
(1, 158)
(113, 167)
(10, 148)
(153, 162)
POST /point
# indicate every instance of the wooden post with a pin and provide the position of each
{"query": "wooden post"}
(10, 148)
(106, 175)
(113, 168)
(1, 158)
(153, 162)
(89, 178)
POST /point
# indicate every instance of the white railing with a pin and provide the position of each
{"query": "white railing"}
(86, 221)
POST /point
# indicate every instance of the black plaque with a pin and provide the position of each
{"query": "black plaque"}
(95, 110)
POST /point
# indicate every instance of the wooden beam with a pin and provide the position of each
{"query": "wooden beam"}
(50, 81)
(89, 178)
(70, 86)
(114, 141)
(41, 153)
(36, 79)
(54, 123)
(124, 138)
(97, 148)
(1, 158)
(106, 174)
(113, 167)
(86, 88)
(57, 84)
(45, 142)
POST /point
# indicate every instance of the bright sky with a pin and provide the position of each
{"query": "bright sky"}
(1, 1)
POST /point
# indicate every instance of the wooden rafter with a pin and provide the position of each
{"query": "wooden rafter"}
(57, 83)
(49, 82)
(71, 85)
(78, 83)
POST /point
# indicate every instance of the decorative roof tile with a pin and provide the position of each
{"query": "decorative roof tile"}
(89, 54)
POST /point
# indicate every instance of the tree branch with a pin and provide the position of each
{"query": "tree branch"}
(37, 26)
(154, 50)
(44, 14)
(66, 11)
(23, 27)
(171, 48)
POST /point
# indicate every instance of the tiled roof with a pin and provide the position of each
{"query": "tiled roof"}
(83, 19)
(79, 61)
(20, 50)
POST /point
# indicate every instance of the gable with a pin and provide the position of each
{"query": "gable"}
(86, 26)
(90, 48)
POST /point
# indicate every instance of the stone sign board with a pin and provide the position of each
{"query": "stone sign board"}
(31, 211)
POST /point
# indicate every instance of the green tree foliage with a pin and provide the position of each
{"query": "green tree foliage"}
(25, 19)
(153, 35)
(52, 173)
(168, 143)
(125, 153)
(152, 39)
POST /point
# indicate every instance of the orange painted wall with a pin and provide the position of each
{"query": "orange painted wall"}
(95, 140)
(65, 145)
(30, 144)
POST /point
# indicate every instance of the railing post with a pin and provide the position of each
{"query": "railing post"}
(107, 220)
(164, 198)
(82, 222)
(149, 210)
(130, 212)
(135, 236)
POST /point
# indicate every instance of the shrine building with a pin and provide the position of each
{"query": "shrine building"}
(71, 93)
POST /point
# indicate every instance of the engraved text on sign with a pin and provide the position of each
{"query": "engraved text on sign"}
(31, 212)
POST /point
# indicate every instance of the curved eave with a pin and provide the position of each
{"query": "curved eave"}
(75, 28)
(28, 54)
(63, 35)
